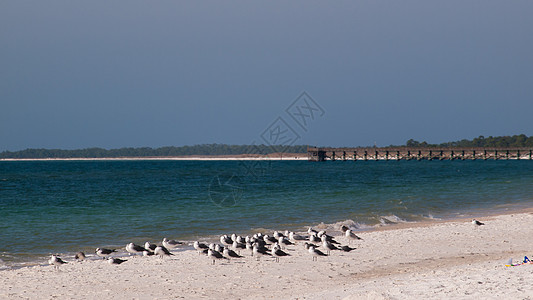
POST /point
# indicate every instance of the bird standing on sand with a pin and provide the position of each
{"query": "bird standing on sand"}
(56, 261)
(351, 236)
(230, 253)
(79, 256)
(115, 261)
(328, 246)
(259, 251)
(103, 252)
(149, 246)
(200, 247)
(277, 252)
(344, 228)
(214, 255)
(162, 251)
(171, 244)
(476, 222)
(315, 253)
(134, 249)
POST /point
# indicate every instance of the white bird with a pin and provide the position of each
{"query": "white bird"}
(311, 231)
(226, 240)
(476, 222)
(134, 249)
(295, 237)
(351, 236)
(115, 261)
(103, 252)
(314, 239)
(200, 247)
(148, 253)
(149, 246)
(162, 251)
(259, 251)
(56, 261)
(277, 252)
(170, 244)
(214, 255)
(284, 241)
(316, 253)
(230, 253)
(328, 246)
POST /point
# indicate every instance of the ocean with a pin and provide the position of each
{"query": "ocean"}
(68, 206)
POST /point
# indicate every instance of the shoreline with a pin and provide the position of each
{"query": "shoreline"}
(273, 156)
(440, 259)
(331, 228)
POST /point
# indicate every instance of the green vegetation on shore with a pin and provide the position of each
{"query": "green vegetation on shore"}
(517, 141)
(205, 149)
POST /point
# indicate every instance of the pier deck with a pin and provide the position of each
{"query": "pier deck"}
(406, 153)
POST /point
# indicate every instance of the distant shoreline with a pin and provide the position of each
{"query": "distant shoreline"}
(274, 156)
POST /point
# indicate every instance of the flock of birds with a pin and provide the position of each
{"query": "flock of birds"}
(257, 245)
(230, 247)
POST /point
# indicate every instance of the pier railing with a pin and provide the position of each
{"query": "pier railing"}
(407, 153)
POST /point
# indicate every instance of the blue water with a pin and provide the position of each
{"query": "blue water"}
(66, 206)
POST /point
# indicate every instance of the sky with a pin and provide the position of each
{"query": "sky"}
(111, 74)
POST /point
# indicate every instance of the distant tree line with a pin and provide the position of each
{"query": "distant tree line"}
(204, 149)
(517, 141)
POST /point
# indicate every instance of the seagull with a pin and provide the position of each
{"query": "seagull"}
(328, 246)
(259, 251)
(314, 239)
(162, 251)
(322, 235)
(103, 252)
(226, 240)
(56, 261)
(170, 244)
(269, 239)
(311, 231)
(344, 228)
(476, 222)
(115, 261)
(347, 248)
(351, 236)
(316, 253)
(277, 253)
(278, 234)
(148, 253)
(134, 249)
(230, 253)
(308, 245)
(200, 247)
(214, 255)
(79, 256)
(284, 241)
(236, 246)
(295, 237)
(149, 246)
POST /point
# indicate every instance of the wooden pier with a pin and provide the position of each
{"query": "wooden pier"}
(406, 153)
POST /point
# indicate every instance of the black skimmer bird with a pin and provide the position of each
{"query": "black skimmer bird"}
(328, 246)
(214, 255)
(259, 251)
(103, 252)
(162, 251)
(56, 261)
(476, 222)
(277, 252)
(200, 247)
(171, 244)
(135, 249)
(316, 253)
(351, 236)
(230, 253)
(149, 246)
(115, 260)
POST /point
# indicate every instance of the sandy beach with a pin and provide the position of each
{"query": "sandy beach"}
(442, 260)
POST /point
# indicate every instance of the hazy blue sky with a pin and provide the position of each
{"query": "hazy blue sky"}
(155, 73)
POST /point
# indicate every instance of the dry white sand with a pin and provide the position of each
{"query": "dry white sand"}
(448, 260)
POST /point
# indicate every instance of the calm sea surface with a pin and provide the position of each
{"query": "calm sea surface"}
(67, 206)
